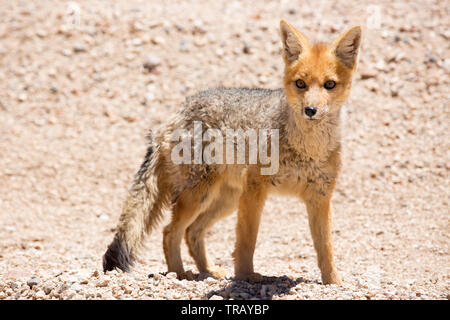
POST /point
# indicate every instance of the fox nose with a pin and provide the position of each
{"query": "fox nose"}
(310, 111)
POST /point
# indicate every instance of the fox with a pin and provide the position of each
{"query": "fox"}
(305, 111)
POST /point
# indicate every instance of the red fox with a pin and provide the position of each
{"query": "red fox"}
(304, 119)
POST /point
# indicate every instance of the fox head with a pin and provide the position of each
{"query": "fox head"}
(318, 76)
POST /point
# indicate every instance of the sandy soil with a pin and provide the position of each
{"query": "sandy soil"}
(80, 85)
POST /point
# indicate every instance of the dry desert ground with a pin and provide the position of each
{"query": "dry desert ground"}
(81, 83)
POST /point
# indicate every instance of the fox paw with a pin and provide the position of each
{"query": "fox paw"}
(332, 278)
(188, 275)
(249, 277)
(217, 272)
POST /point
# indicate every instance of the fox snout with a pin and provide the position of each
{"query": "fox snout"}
(310, 111)
(315, 112)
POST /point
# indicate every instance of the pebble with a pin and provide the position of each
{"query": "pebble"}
(247, 48)
(171, 275)
(210, 280)
(263, 79)
(157, 276)
(184, 46)
(151, 62)
(70, 293)
(64, 287)
(137, 42)
(220, 52)
(244, 295)
(158, 40)
(216, 297)
(76, 287)
(78, 47)
(22, 97)
(198, 27)
(34, 281)
(48, 289)
(66, 52)
(41, 33)
(368, 74)
(102, 283)
(263, 290)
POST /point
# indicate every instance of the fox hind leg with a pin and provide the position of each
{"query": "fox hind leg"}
(185, 211)
(222, 206)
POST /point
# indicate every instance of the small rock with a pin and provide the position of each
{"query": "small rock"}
(34, 281)
(372, 85)
(210, 280)
(247, 48)
(220, 52)
(13, 285)
(171, 275)
(200, 42)
(202, 276)
(155, 276)
(39, 295)
(76, 287)
(216, 297)
(263, 79)
(158, 40)
(368, 73)
(234, 295)
(41, 33)
(102, 283)
(66, 52)
(64, 287)
(245, 295)
(22, 97)
(48, 289)
(104, 217)
(198, 27)
(263, 290)
(70, 293)
(151, 62)
(78, 47)
(184, 46)
(137, 42)
(148, 97)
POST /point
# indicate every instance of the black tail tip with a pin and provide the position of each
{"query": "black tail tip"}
(117, 256)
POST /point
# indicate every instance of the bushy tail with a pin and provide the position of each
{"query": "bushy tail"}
(141, 212)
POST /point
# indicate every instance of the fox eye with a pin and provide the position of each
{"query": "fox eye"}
(329, 84)
(300, 84)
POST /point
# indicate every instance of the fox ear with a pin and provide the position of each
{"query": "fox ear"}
(294, 43)
(347, 45)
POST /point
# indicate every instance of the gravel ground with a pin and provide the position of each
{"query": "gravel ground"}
(80, 85)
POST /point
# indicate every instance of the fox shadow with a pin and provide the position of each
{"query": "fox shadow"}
(269, 286)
